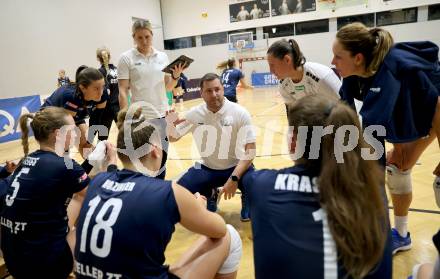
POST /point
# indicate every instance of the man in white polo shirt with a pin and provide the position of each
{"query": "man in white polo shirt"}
(140, 70)
(225, 139)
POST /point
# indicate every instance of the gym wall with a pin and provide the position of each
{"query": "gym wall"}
(40, 37)
(316, 47)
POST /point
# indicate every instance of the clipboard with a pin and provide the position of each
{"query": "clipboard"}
(182, 59)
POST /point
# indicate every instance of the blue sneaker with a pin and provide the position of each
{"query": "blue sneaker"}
(245, 215)
(212, 202)
(400, 243)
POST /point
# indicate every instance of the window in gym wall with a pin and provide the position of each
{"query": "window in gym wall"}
(309, 27)
(185, 42)
(434, 12)
(396, 17)
(214, 39)
(253, 30)
(366, 19)
(283, 30)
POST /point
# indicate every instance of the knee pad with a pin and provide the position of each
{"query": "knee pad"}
(235, 250)
(399, 182)
(436, 186)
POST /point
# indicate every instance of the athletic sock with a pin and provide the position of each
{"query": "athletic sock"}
(401, 225)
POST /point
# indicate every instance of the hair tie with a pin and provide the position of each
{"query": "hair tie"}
(29, 121)
(375, 33)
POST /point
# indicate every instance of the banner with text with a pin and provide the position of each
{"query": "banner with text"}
(264, 79)
(10, 111)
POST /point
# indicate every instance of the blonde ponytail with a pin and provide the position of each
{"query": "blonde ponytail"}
(349, 191)
(44, 122)
(383, 43)
(25, 131)
(374, 44)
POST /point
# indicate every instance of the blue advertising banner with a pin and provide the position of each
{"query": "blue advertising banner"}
(10, 111)
(264, 79)
(192, 89)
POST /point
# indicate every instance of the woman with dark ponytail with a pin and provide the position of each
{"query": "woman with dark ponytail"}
(399, 85)
(86, 95)
(34, 209)
(298, 77)
(324, 217)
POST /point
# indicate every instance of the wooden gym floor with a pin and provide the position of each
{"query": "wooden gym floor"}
(268, 114)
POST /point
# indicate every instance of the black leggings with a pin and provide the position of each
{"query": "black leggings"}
(103, 117)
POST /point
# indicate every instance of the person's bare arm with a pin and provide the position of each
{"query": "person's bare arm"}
(124, 85)
(243, 165)
(176, 127)
(84, 146)
(195, 217)
(244, 84)
(171, 82)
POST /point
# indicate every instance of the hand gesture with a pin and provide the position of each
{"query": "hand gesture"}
(172, 117)
(201, 199)
(110, 153)
(229, 189)
(177, 70)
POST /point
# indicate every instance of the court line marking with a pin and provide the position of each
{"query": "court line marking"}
(420, 210)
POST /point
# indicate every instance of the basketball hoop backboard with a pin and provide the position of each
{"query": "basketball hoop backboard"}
(240, 44)
(247, 37)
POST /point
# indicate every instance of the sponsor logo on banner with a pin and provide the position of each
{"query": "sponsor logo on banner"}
(264, 79)
(192, 89)
(10, 111)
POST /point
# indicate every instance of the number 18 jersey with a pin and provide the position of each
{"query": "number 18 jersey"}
(124, 226)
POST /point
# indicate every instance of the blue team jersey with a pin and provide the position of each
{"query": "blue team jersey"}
(289, 225)
(67, 97)
(402, 95)
(4, 172)
(33, 216)
(124, 226)
(181, 82)
(4, 182)
(111, 82)
(230, 79)
(63, 81)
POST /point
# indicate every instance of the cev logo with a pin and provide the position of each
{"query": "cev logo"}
(9, 127)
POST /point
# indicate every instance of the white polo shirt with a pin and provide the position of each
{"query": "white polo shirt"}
(317, 79)
(146, 80)
(220, 137)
